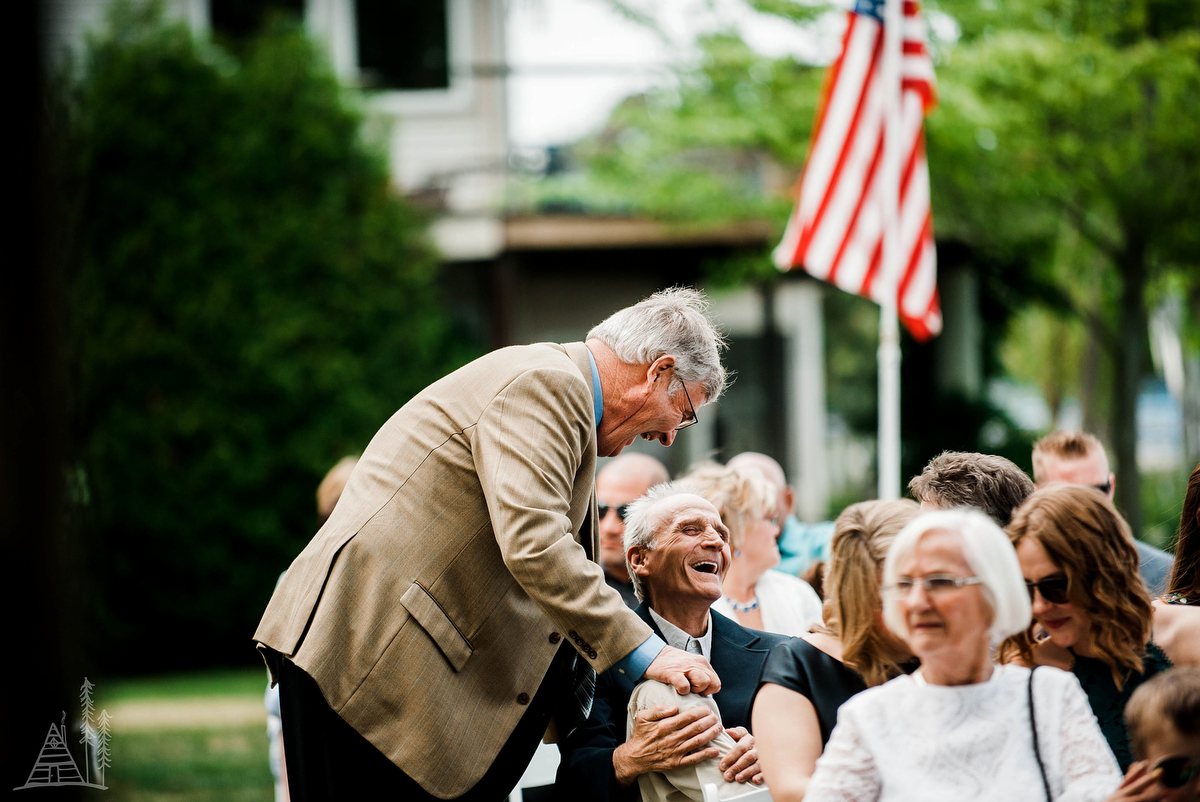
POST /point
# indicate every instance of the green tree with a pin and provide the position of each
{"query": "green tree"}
(1087, 138)
(252, 301)
(726, 140)
(1064, 159)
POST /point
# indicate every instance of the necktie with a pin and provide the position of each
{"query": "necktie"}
(583, 677)
(585, 686)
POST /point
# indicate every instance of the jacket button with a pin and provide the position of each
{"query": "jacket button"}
(522, 698)
(573, 634)
(592, 654)
(555, 637)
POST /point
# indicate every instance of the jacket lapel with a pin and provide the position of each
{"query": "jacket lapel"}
(590, 531)
(738, 657)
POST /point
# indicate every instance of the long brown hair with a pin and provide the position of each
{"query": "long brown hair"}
(1185, 576)
(1084, 535)
(861, 536)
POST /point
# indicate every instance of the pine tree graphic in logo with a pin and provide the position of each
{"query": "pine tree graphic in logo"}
(55, 765)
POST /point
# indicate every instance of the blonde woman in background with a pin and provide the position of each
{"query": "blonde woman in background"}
(805, 681)
(753, 594)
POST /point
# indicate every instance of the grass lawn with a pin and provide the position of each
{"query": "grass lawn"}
(179, 760)
(249, 681)
(215, 765)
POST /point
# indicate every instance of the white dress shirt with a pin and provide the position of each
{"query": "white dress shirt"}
(680, 640)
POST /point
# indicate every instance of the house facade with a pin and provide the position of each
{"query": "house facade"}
(434, 77)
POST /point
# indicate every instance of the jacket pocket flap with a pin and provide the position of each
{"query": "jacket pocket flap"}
(429, 614)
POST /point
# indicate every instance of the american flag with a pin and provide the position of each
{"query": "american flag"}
(836, 230)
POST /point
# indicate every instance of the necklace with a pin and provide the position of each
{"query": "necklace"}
(748, 607)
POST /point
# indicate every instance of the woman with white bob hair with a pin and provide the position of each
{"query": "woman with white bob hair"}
(963, 727)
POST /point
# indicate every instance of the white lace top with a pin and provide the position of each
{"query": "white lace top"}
(908, 740)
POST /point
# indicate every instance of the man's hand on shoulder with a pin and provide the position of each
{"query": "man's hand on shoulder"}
(665, 739)
(687, 673)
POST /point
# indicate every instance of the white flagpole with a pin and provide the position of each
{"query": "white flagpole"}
(889, 329)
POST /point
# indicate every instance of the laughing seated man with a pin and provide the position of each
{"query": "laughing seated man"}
(678, 552)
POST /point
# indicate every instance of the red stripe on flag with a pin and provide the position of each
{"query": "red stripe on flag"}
(831, 82)
(866, 190)
(910, 163)
(923, 88)
(914, 258)
(847, 143)
(827, 89)
(921, 327)
(872, 269)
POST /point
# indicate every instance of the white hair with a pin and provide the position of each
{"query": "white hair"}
(987, 551)
(671, 322)
(641, 526)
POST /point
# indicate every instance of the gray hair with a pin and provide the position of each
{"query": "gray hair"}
(673, 322)
(641, 526)
(987, 551)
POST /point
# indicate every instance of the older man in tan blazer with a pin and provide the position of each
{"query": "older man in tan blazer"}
(452, 607)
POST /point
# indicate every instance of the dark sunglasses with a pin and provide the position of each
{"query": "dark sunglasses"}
(1177, 771)
(1105, 488)
(1053, 589)
(622, 511)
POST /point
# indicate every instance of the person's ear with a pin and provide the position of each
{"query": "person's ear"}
(636, 557)
(789, 499)
(659, 367)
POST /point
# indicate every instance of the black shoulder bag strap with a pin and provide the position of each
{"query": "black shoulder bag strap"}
(1037, 752)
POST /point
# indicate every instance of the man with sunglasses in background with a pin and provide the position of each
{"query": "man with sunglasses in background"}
(1078, 458)
(622, 481)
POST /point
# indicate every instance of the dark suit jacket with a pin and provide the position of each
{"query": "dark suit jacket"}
(586, 770)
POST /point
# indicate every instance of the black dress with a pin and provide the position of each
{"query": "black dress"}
(1108, 703)
(825, 681)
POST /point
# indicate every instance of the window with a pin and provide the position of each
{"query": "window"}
(402, 44)
(240, 19)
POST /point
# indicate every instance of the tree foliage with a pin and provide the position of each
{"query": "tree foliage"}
(1064, 159)
(1088, 140)
(251, 302)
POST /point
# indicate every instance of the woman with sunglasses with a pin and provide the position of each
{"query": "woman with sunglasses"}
(806, 680)
(1091, 611)
(962, 727)
(753, 594)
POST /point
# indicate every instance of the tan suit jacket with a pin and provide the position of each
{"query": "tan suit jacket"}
(429, 606)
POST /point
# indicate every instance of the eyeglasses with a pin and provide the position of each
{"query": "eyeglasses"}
(686, 422)
(1105, 488)
(622, 511)
(933, 584)
(1177, 771)
(1053, 589)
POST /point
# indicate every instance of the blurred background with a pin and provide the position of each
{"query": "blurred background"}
(249, 230)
